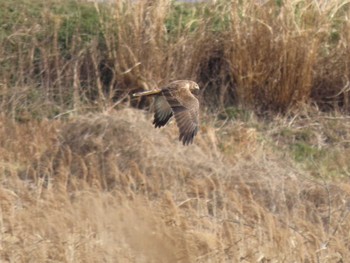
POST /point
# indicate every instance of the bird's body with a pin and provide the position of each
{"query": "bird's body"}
(176, 99)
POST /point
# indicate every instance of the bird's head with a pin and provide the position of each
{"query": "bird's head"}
(194, 87)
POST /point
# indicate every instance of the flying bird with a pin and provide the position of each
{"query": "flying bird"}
(176, 99)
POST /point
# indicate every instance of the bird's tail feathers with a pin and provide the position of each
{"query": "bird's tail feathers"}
(146, 93)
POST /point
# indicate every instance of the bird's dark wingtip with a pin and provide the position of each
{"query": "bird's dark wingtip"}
(158, 124)
(186, 139)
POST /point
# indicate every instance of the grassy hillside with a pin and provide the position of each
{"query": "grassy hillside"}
(109, 187)
(86, 178)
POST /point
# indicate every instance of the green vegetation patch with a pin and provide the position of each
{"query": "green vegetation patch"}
(303, 152)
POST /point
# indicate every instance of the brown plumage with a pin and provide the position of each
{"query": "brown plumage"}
(177, 99)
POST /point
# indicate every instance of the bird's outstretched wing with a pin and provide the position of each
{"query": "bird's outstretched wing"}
(162, 113)
(185, 108)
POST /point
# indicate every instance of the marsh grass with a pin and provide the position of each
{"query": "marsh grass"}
(79, 192)
(76, 55)
(106, 186)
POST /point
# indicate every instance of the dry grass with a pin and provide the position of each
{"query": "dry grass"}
(88, 196)
(108, 187)
(272, 57)
(83, 56)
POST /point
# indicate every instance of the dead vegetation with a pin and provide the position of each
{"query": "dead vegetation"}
(108, 187)
(85, 195)
(270, 56)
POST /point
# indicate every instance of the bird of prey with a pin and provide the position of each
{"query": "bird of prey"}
(176, 99)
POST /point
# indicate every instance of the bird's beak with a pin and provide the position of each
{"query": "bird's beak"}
(195, 90)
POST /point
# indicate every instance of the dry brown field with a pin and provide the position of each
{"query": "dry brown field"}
(84, 177)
